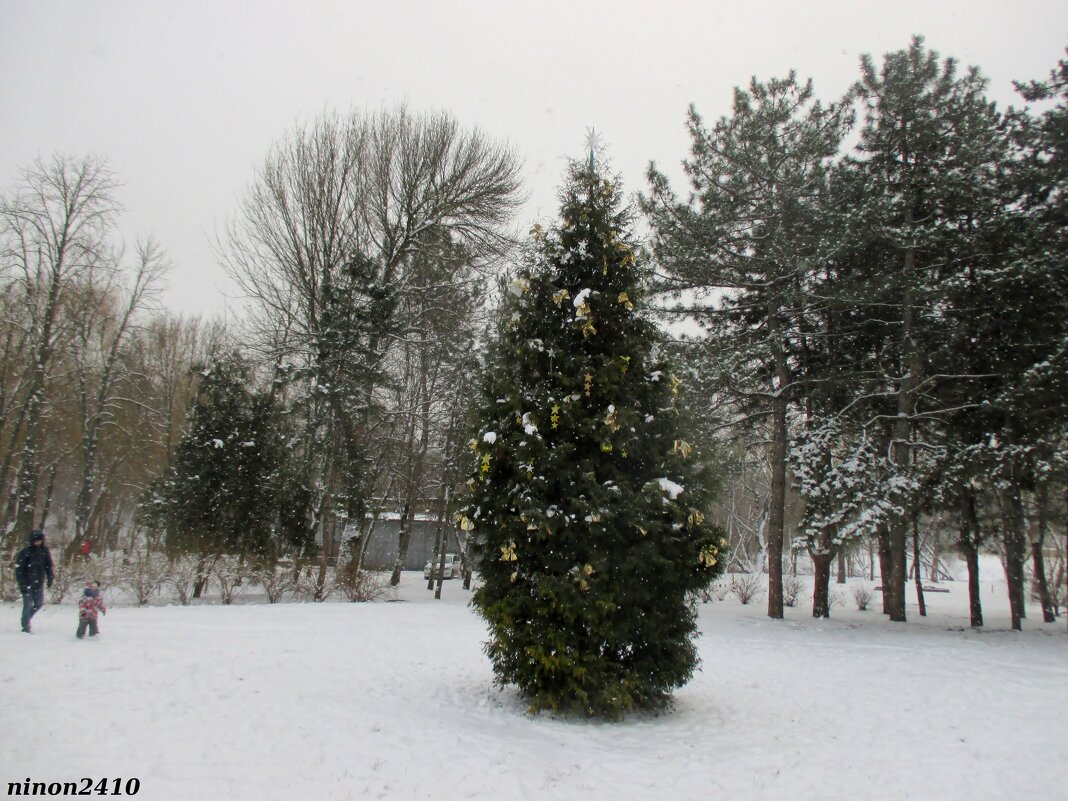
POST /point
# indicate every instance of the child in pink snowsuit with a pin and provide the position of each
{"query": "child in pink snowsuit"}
(88, 607)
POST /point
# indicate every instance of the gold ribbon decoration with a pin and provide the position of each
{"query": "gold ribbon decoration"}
(707, 556)
(611, 421)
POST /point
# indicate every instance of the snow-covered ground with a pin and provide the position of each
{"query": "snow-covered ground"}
(395, 700)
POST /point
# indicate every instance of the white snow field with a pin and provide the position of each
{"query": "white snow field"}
(395, 700)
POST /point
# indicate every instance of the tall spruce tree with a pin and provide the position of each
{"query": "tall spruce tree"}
(589, 508)
(220, 494)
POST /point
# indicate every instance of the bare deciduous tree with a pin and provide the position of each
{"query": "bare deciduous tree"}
(330, 245)
(53, 233)
(103, 323)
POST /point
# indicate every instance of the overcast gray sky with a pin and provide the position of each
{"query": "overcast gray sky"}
(185, 98)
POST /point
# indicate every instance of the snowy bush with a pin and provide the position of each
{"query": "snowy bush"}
(791, 590)
(183, 577)
(68, 576)
(275, 580)
(835, 598)
(747, 586)
(9, 590)
(308, 586)
(230, 574)
(718, 590)
(862, 595)
(363, 585)
(141, 574)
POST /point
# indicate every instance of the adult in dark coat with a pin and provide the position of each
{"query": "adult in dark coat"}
(33, 567)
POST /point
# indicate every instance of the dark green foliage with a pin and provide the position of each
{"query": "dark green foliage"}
(355, 315)
(588, 563)
(754, 237)
(223, 491)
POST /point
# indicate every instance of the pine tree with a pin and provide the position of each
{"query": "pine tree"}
(220, 494)
(926, 173)
(588, 507)
(755, 237)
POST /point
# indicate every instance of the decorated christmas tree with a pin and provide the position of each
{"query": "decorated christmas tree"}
(588, 506)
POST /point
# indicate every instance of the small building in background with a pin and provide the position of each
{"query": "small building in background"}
(385, 540)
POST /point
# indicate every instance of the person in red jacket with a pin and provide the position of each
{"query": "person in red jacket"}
(90, 605)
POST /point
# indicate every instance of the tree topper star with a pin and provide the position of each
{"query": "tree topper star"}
(593, 144)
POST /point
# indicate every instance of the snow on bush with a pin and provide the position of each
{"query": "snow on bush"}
(791, 590)
(718, 590)
(185, 570)
(230, 573)
(747, 586)
(315, 585)
(360, 585)
(68, 576)
(140, 573)
(275, 580)
(862, 596)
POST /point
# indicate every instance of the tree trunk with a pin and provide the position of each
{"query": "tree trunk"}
(1014, 539)
(975, 606)
(897, 556)
(1038, 563)
(777, 512)
(821, 588)
(883, 540)
(444, 540)
(404, 541)
(439, 549)
(1038, 560)
(49, 494)
(200, 583)
(468, 571)
(968, 540)
(916, 565)
(326, 526)
(10, 505)
(841, 566)
(901, 445)
(441, 567)
(28, 474)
